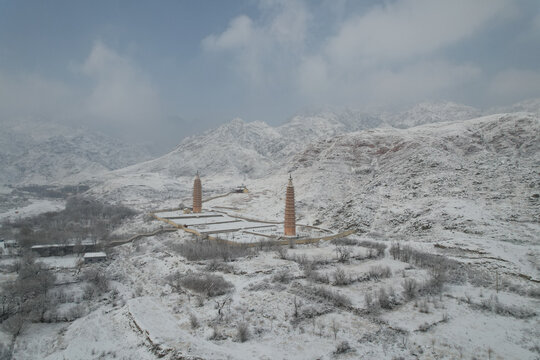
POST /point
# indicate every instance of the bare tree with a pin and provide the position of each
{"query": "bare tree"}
(334, 327)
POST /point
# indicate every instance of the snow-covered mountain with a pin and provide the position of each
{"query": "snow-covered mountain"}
(44, 152)
(256, 149)
(530, 105)
(458, 176)
(427, 113)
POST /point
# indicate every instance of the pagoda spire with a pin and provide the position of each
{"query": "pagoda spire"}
(290, 216)
(197, 194)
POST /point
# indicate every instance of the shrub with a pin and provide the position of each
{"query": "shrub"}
(216, 265)
(320, 293)
(96, 276)
(315, 276)
(379, 272)
(242, 332)
(282, 276)
(345, 242)
(387, 298)
(193, 321)
(534, 292)
(341, 278)
(436, 281)
(343, 254)
(368, 299)
(204, 249)
(410, 287)
(342, 348)
(205, 283)
(282, 252)
(492, 304)
(424, 307)
(216, 333)
(379, 248)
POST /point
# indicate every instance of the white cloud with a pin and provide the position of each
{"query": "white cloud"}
(238, 34)
(121, 92)
(403, 29)
(266, 51)
(390, 53)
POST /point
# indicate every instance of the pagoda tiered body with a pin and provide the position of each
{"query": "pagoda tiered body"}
(290, 215)
(197, 195)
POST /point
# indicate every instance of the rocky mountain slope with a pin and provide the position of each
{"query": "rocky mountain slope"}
(33, 152)
(255, 149)
(468, 179)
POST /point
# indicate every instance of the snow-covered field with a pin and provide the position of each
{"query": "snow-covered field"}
(466, 191)
(36, 207)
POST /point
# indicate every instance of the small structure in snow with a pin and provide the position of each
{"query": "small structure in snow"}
(91, 257)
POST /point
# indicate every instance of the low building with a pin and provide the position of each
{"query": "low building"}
(63, 249)
(92, 257)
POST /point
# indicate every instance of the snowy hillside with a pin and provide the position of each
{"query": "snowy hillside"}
(466, 180)
(33, 152)
(428, 113)
(460, 198)
(255, 149)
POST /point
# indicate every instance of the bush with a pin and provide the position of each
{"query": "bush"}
(216, 265)
(193, 321)
(492, 304)
(282, 252)
(341, 278)
(387, 298)
(342, 348)
(314, 276)
(207, 284)
(216, 333)
(242, 332)
(282, 276)
(378, 247)
(446, 269)
(320, 293)
(379, 272)
(436, 281)
(410, 288)
(343, 254)
(195, 250)
(96, 276)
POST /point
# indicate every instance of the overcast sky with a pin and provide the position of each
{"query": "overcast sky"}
(161, 70)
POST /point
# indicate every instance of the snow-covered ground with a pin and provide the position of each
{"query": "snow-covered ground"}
(36, 207)
(466, 190)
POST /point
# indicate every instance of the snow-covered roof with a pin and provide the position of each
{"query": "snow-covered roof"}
(98, 254)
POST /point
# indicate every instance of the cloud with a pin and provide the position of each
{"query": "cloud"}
(238, 34)
(263, 52)
(109, 93)
(514, 84)
(403, 29)
(34, 96)
(121, 92)
(397, 86)
(394, 52)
